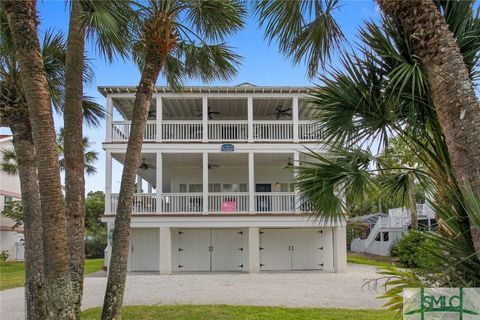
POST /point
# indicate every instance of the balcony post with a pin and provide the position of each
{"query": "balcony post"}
(205, 119)
(139, 184)
(250, 118)
(295, 118)
(108, 181)
(205, 182)
(158, 183)
(108, 119)
(296, 159)
(159, 118)
(251, 182)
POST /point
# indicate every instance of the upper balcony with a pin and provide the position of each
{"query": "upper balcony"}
(232, 117)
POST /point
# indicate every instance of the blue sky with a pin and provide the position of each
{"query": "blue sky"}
(262, 64)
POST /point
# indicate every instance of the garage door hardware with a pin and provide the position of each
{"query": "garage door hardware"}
(290, 248)
(320, 231)
(180, 232)
(241, 249)
(180, 266)
(210, 248)
(321, 248)
(180, 249)
(262, 248)
(240, 265)
(240, 232)
(320, 264)
(261, 264)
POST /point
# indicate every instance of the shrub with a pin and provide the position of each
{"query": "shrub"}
(409, 249)
(95, 246)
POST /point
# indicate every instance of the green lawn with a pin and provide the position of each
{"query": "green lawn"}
(222, 312)
(12, 274)
(370, 260)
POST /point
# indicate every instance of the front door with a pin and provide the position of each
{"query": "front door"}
(264, 202)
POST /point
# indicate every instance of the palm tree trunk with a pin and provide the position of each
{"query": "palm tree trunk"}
(412, 199)
(22, 19)
(74, 153)
(453, 94)
(121, 234)
(36, 304)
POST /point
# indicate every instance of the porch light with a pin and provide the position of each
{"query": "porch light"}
(277, 185)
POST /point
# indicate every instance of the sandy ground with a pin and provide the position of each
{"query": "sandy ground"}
(292, 289)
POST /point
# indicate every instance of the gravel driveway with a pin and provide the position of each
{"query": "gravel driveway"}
(292, 289)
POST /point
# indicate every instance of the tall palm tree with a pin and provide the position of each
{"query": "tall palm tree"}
(302, 35)
(22, 20)
(14, 111)
(381, 93)
(106, 22)
(434, 41)
(184, 39)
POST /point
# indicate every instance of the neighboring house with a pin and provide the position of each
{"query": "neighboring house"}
(215, 184)
(383, 230)
(11, 239)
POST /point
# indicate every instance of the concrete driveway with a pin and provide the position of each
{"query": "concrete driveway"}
(292, 289)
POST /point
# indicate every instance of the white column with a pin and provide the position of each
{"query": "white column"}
(295, 118)
(159, 118)
(205, 118)
(251, 182)
(149, 187)
(108, 181)
(327, 249)
(253, 250)
(108, 119)
(296, 159)
(340, 249)
(205, 182)
(165, 250)
(139, 184)
(250, 118)
(159, 184)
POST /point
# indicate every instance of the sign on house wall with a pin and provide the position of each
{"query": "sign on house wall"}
(227, 147)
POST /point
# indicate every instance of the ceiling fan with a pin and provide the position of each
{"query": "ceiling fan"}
(281, 112)
(211, 166)
(289, 164)
(152, 114)
(145, 166)
(210, 113)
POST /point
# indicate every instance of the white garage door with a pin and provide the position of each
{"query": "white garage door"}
(291, 249)
(144, 250)
(207, 250)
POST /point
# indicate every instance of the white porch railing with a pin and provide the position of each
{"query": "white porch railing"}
(142, 203)
(309, 131)
(181, 203)
(228, 202)
(221, 202)
(184, 130)
(281, 202)
(227, 130)
(272, 130)
(121, 130)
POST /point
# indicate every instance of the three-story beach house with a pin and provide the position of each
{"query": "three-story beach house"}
(215, 184)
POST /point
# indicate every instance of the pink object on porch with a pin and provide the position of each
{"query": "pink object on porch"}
(229, 206)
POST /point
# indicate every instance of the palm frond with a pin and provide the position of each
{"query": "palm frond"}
(305, 30)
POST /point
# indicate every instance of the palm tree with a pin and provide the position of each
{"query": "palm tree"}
(9, 162)
(304, 30)
(434, 41)
(14, 111)
(22, 21)
(376, 95)
(307, 30)
(106, 22)
(184, 39)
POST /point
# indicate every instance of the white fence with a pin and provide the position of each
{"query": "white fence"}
(227, 130)
(309, 131)
(220, 202)
(228, 202)
(281, 202)
(185, 130)
(121, 130)
(272, 130)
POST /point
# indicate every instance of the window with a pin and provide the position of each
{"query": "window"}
(378, 237)
(8, 199)
(214, 187)
(385, 236)
(195, 187)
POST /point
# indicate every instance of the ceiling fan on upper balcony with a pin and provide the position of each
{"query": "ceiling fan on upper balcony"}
(210, 113)
(145, 166)
(281, 112)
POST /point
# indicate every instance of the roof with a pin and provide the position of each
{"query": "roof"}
(5, 137)
(241, 88)
(368, 218)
